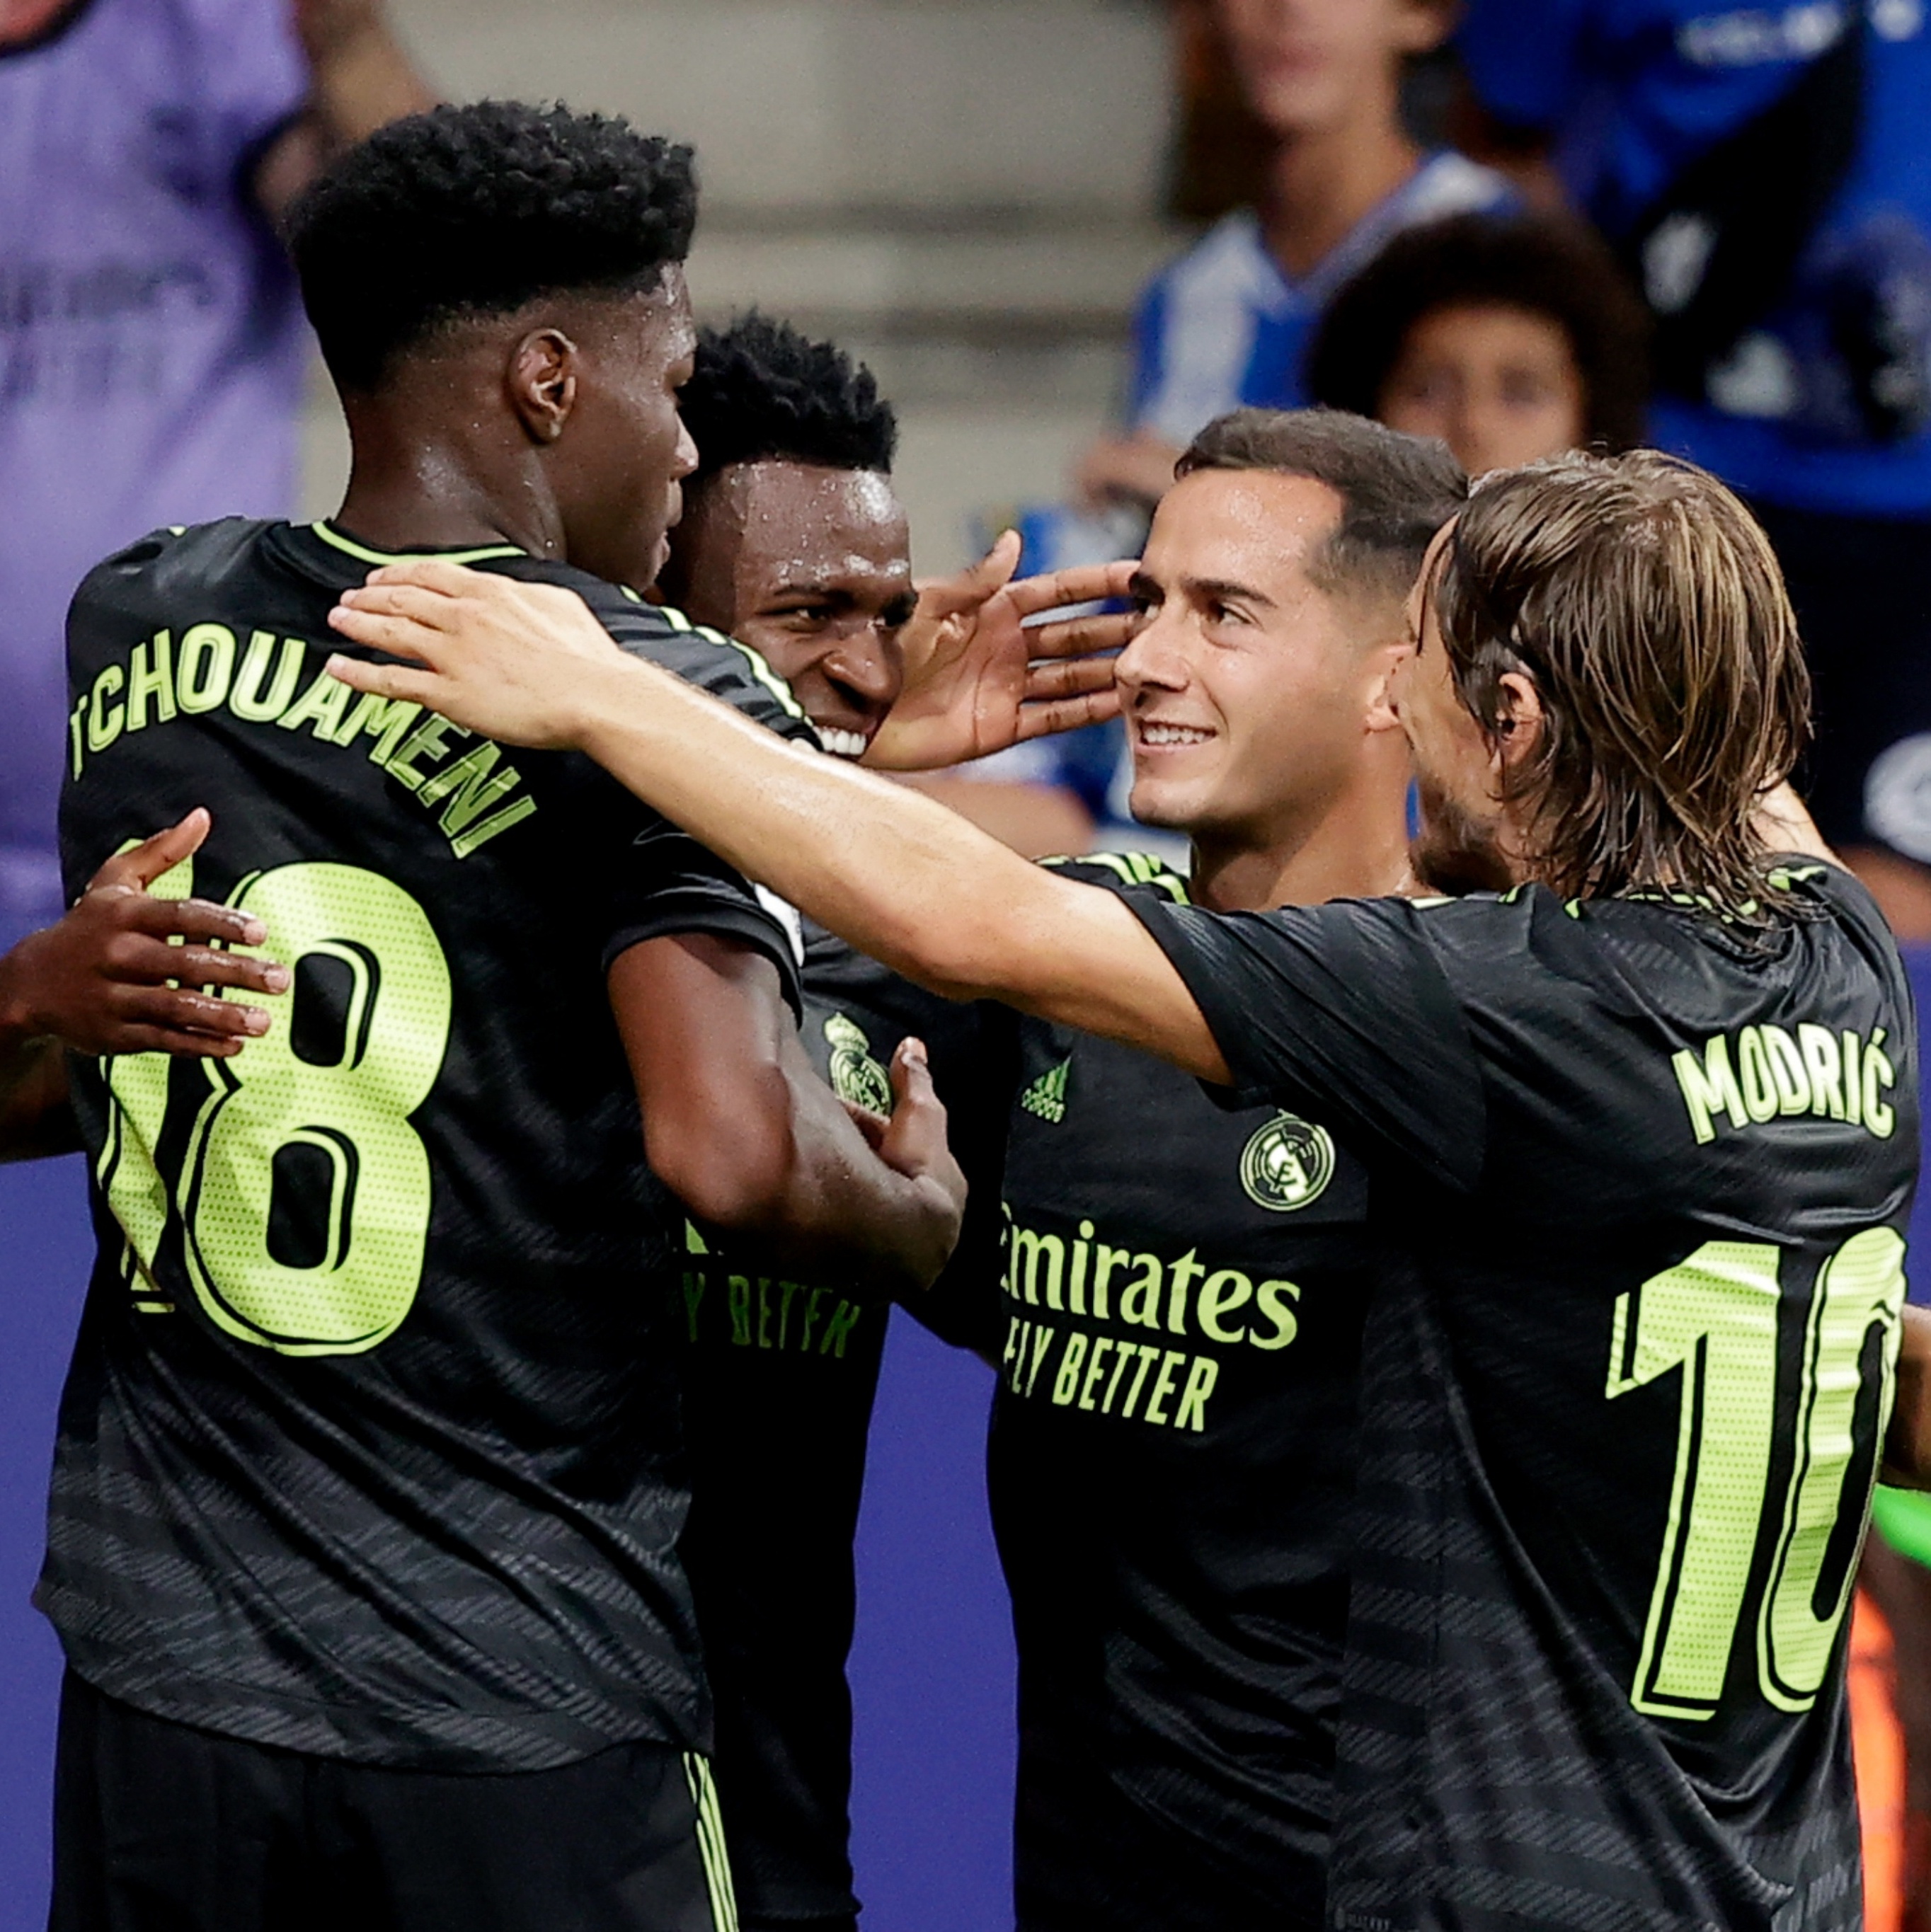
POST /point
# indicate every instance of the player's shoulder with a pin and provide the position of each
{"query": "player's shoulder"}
(176, 553)
(1123, 872)
(149, 581)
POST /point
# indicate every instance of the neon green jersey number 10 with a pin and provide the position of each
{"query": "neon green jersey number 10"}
(1714, 1316)
(304, 1195)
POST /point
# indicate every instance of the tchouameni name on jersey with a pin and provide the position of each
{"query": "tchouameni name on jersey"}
(479, 795)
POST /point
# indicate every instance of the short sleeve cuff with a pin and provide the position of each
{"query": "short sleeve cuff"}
(693, 909)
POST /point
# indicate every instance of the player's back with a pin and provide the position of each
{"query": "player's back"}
(369, 1447)
(1645, 1178)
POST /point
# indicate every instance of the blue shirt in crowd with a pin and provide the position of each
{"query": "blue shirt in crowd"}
(1225, 325)
(1634, 90)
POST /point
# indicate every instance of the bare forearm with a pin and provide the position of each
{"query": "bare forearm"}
(899, 876)
(902, 877)
(362, 80)
(34, 1115)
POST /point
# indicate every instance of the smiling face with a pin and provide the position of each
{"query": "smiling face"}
(1499, 384)
(812, 567)
(1248, 685)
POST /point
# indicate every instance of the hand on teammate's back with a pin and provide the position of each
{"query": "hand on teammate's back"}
(127, 972)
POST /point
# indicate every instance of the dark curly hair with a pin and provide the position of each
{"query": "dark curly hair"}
(477, 211)
(762, 390)
(1545, 264)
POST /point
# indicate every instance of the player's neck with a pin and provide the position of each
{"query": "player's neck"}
(413, 489)
(1322, 184)
(1357, 848)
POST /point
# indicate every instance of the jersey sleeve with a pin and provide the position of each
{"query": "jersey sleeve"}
(1523, 57)
(1343, 1009)
(665, 883)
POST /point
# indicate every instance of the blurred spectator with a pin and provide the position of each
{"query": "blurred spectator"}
(1510, 337)
(152, 349)
(1227, 323)
(1766, 170)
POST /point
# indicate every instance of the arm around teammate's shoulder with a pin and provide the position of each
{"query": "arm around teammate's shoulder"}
(741, 1129)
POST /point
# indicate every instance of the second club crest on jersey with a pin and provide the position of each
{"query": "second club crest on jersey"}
(855, 1075)
(1287, 1164)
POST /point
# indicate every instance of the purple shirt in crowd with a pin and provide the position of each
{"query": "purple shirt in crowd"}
(151, 345)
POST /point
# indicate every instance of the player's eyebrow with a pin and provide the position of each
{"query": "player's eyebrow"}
(1203, 589)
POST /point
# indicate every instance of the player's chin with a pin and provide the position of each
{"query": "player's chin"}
(1163, 803)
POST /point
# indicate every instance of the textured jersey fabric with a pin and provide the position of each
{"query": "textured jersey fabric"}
(371, 1448)
(1635, 90)
(780, 1378)
(151, 345)
(1224, 326)
(1172, 1470)
(1640, 1186)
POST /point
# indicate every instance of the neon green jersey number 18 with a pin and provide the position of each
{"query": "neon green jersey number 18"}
(1714, 1315)
(304, 1195)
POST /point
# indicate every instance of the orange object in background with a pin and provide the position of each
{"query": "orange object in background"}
(1877, 1747)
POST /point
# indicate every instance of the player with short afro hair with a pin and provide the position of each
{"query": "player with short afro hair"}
(763, 391)
(478, 210)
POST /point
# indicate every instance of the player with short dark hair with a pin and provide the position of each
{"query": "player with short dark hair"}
(368, 1483)
(1640, 1113)
(1186, 1276)
(793, 541)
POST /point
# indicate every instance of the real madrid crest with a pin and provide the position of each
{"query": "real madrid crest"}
(1287, 1164)
(855, 1075)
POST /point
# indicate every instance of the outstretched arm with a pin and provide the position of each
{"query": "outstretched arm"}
(898, 876)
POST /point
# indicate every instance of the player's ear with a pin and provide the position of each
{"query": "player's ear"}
(542, 381)
(1519, 720)
(1380, 667)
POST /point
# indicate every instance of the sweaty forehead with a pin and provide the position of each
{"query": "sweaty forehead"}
(803, 523)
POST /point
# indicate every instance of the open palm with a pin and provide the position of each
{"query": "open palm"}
(979, 677)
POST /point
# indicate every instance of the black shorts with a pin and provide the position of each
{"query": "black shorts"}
(1862, 589)
(159, 1827)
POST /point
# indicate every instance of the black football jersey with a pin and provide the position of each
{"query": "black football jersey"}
(780, 1378)
(370, 1447)
(1172, 1470)
(1642, 1179)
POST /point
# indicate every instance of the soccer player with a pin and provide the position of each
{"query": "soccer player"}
(793, 542)
(1639, 1108)
(368, 1484)
(105, 978)
(1172, 1444)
